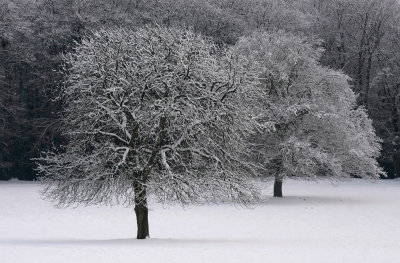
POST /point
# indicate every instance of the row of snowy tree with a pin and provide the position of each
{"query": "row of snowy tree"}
(165, 112)
(359, 37)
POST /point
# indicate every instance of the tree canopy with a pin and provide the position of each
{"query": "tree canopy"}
(318, 128)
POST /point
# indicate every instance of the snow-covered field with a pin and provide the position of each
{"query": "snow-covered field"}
(356, 221)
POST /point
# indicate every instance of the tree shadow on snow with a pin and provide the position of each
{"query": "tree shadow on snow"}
(314, 200)
(128, 241)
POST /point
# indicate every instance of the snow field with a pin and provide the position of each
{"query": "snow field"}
(356, 221)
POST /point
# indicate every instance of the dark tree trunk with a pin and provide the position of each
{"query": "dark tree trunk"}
(141, 210)
(368, 80)
(396, 164)
(361, 55)
(396, 139)
(359, 73)
(140, 179)
(278, 186)
(142, 219)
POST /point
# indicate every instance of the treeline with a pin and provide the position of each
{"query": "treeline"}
(360, 37)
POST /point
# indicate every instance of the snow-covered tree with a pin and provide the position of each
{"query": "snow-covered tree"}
(319, 131)
(156, 112)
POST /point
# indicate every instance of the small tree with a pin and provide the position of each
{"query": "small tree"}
(318, 128)
(150, 112)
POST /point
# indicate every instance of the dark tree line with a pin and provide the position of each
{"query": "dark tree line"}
(360, 37)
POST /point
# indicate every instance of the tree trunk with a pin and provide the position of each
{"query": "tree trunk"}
(278, 186)
(141, 210)
(396, 164)
(368, 80)
(396, 156)
(396, 139)
(142, 219)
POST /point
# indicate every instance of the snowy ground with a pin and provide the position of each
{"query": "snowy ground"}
(356, 221)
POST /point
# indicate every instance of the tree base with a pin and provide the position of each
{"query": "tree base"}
(142, 219)
(278, 188)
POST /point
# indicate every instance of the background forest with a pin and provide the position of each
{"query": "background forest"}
(360, 38)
